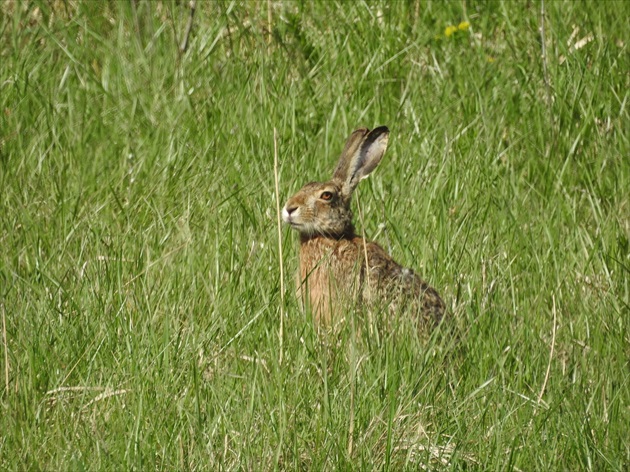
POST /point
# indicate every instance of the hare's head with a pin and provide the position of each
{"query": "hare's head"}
(324, 207)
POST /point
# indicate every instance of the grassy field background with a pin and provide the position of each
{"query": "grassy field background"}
(140, 287)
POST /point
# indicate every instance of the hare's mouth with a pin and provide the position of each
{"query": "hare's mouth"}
(290, 221)
(295, 224)
(299, 226)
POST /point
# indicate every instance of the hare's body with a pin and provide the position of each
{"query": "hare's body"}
(337, 267)
(332, 274)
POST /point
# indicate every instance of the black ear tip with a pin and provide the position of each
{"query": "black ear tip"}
(377, 133)
(380, 130)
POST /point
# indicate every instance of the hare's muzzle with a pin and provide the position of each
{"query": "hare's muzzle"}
(289, 213)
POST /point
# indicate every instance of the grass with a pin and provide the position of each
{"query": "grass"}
(139, 274)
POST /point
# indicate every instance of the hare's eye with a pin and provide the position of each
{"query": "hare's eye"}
(326, 196)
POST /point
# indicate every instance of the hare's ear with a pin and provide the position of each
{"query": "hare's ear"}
(364, 150)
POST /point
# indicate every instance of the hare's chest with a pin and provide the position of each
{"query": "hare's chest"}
(329, 279)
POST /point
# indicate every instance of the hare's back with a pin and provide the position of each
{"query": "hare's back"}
(401, 285)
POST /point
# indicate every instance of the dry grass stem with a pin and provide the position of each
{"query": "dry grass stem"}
(6, 351)
(280, 258)
(184, 46)
(553, 345)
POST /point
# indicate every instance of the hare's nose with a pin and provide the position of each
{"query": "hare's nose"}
(288, 212)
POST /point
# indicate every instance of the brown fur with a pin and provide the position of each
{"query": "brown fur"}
(333, 258)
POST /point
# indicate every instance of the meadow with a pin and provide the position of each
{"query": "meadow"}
(145, 322)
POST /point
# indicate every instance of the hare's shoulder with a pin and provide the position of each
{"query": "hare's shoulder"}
(396, 282)
(380, 263)
(384, 271)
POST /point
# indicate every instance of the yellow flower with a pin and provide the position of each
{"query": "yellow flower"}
(450, 30)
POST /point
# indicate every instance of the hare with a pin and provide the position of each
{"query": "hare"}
(336, 265)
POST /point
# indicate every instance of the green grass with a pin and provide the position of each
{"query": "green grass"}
(139, 273)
